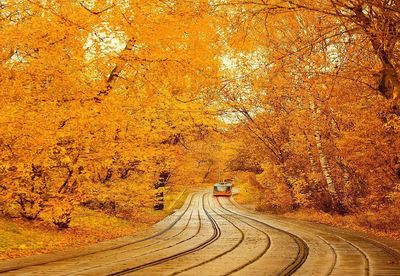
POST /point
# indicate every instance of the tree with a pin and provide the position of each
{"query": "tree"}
(94, 91)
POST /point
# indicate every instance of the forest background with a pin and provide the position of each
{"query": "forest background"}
(299, 100)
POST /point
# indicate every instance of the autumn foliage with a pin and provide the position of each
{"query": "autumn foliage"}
(317, 104)
(98, 98)
(94, 91)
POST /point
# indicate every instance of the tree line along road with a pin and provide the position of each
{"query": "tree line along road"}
(216, 236)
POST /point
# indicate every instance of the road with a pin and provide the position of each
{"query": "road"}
(216, 236)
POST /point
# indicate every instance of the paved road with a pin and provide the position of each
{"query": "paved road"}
(215, 236)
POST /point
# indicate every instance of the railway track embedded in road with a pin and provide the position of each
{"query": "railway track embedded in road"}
(210, 231)
(156, 243)
(213, 238)
(220, 254)
(302, 252)
(257, 257)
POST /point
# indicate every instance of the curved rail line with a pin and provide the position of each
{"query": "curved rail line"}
(216, 234)
(333, 264)
(302, 247)
(343, 235)
(109, 248)
(147, 253)
(222, 253)
(362, 253)
(389, 250)
(235, 217)
(213, 238)
(394, 253)
(161, 240)
(256, 257)
(299, 256)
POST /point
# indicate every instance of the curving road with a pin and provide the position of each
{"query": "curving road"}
(216, 236)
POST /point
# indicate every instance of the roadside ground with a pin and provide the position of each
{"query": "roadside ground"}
(20, 238)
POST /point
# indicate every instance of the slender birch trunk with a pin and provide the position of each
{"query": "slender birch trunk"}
(326, 171)
(311, 159)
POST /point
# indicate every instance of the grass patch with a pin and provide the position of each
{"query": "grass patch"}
(20, 238)
(175, 199)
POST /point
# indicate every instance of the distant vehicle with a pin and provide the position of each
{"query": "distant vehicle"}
(222, 189)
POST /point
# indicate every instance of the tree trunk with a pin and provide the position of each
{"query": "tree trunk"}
(311, 159)
(389, 84)
(326, 171)
(114, 74)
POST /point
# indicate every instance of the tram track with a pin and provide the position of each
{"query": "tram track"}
(352, 240)
(257, 257)
(160, 249)
(389, 250)
(290, 269)
(302, 252)
(161, 240)
(345, 237)
(213, 238)
(216, 236)
(236, 245)
(362, 253)
(333, 251)
(220, 254)
(167, 239)
(157, 262)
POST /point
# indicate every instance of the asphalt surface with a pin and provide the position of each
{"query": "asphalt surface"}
(215, 236)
